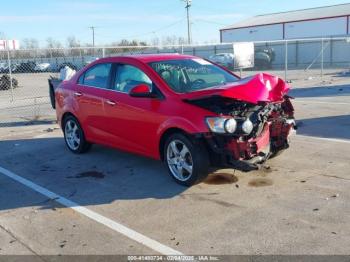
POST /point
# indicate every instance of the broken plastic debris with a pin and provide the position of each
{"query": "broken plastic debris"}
(336, 195)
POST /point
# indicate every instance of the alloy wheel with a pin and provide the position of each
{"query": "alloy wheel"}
(179, 160)
(72, 135)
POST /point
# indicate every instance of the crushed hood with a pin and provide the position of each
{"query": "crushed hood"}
(259, 88)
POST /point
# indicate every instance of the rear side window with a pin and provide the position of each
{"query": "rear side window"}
(97, 76)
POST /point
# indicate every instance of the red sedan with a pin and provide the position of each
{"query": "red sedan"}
(183, 110)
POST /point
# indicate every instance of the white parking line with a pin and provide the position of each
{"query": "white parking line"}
(325, 139)
(146, 241)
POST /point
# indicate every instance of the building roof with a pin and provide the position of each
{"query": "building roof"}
(294, 16)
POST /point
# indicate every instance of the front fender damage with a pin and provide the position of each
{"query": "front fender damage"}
(273, 125)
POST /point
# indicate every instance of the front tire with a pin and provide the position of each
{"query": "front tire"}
(187, 162)
(74, 136)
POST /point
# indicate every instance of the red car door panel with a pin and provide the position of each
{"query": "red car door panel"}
(92, 113)
(133, 122)
(90, 93)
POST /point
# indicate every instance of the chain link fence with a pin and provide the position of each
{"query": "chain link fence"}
(24, 74)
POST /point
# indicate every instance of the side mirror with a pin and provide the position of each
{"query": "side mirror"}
(141, 90)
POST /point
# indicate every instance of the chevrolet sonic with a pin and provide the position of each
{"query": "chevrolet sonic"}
(184, 110)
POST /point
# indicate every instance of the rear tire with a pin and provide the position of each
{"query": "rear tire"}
(187, 161)
(74, 136)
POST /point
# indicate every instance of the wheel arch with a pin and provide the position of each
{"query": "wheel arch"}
(166, 134)
(65, 115)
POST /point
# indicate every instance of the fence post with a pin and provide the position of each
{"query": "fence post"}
(10, 69)
(182, 49)
(286, 61)
(322, 57)
(297, 54)
(51, 56)
(331, 52)
(103, 52)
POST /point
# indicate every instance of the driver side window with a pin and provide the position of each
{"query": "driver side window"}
(128, 76)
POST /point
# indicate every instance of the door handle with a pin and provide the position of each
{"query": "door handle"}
(111, 103)
(78, 94)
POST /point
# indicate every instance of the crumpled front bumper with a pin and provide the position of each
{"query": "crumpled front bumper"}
(248, 154)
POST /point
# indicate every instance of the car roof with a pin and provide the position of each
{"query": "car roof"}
(148, 58)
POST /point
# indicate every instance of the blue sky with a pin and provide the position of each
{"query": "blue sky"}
(132, 19)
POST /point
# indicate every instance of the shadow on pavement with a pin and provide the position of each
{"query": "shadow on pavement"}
(320, 91)
(27, 123)
(101, 176)
(328, 127)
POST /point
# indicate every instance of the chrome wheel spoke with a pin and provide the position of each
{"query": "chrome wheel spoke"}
(187, 167)
(172, 161)
(181, 172)
(76, 140)
(174, 148)
(184, 151)
(70, 126)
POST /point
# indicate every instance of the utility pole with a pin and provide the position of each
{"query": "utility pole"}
(188, 5)
(93, 35)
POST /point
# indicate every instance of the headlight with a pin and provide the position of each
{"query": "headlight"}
(222, 125)
(216, 124)
(230, 125)
(247, 126)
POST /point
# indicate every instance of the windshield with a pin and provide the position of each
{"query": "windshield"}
(187, 75)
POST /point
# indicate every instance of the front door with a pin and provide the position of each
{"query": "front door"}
(133, 120)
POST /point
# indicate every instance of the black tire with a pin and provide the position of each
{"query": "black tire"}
(276, 154)
(52, 96)
(83, 145)
(199, 156)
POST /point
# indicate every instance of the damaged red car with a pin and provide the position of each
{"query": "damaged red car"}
(183, 110)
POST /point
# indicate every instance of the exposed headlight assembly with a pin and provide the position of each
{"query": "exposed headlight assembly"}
(221, 125)
(230, 125)
(247, 126)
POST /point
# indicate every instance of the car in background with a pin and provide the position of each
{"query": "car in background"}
(25, 67)
(223, 59)
(42, 67)
(4, 67)
(183, 110)
(263, 58)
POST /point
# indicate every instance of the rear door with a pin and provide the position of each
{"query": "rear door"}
(90, 95)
